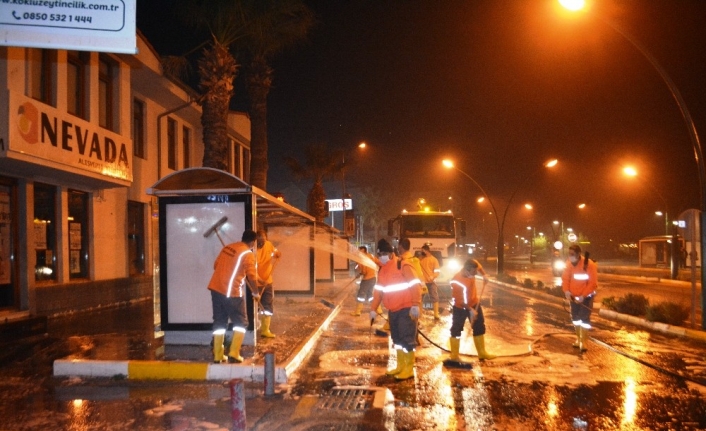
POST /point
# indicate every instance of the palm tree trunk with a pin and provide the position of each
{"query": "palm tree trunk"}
(217, 70)
(259, 84)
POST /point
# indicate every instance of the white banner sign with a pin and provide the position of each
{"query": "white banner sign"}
(337, 205)
(91, 25)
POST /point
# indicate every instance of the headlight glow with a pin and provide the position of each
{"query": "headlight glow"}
(453, 265)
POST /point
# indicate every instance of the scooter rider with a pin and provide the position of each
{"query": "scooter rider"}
(579, 283)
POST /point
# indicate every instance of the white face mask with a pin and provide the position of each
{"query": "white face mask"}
(384, 258)
(574, 259)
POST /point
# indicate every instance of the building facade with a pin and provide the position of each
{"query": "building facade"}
(82, 136)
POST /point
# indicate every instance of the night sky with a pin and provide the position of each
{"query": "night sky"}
(500, 87)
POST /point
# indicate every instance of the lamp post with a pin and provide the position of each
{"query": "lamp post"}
(344, 228)
(500, 222)
(688, 121)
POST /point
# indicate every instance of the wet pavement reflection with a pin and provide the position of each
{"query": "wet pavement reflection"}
(630, 379)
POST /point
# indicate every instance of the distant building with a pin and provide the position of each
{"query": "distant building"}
(82, 136)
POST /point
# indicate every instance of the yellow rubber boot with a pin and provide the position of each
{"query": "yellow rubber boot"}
(400, 364)
(358, 309)
(577, 328)
(479, 341)
(379, 310)
(583, 336)
(436, 311)
(386, 326)
(265, 326)
(218, 349)
(455, 345)
(408, 370)
(234, 351)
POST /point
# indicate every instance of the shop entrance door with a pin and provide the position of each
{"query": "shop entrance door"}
(9, 294)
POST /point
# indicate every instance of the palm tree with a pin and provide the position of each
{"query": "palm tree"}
(369, 208)
(318, 164)
(271, 27)
(224, 21)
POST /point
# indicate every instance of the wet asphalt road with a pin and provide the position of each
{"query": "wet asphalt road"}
(633, 384)
(630, 381)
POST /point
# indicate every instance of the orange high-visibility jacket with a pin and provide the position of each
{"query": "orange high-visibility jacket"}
(235, 262)
(265, 264)
(366, 271)
(393, 289)
(464, 291)
(430, 268)
(578, 281)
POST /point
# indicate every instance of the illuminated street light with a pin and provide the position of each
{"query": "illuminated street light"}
(688, 121)
(500, 223)
(345, 229)
(632, 172)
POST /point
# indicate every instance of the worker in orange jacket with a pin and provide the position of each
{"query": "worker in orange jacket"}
(579, 282)
(399, 288)
(233, 272)
(367, 270)
(466, 306)
(431, 270)
(267, 257)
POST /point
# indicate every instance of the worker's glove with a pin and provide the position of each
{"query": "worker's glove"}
(414, 312)
(373, 315)
(567, 294)
(425, 289)
(256, 298)
(579, 298)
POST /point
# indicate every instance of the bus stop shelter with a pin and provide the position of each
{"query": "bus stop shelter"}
(191, 202)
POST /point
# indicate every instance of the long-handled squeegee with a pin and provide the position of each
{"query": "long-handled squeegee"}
(214, 229)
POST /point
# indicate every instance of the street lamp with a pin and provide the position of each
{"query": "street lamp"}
(632, 172)
(500, 223)
(688, 121)
(345, 228)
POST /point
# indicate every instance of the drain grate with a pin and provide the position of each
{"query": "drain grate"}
(356, 399)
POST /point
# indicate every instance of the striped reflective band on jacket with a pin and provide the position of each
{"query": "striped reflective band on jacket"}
(464, 287)
(235, 273)
(581, 276)
(397, 287)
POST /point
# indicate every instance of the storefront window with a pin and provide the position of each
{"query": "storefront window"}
(78, 234)
(45, 232)
(7, 291)
(136, 237)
